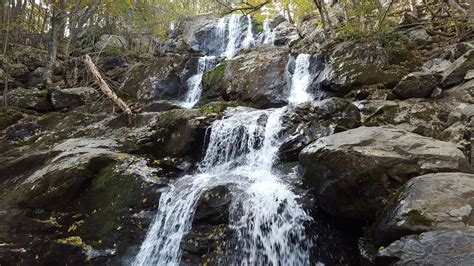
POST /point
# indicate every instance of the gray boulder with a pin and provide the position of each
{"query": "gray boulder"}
(285, 34)
(307, 122)
(445, 247)
(426, 203)
(416, 85)
(256, 77)
(33, 99)
(72, 97)
(419, 36)
(69, 167)
(456, 72)
(353, 172)
(156, 80)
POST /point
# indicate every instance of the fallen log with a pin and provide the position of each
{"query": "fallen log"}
(104, 87)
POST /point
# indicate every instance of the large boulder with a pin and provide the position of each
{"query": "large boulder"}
(416, 85)
(354, 65)
(72, 97)
(71, 167)
(33, 99)
(160, 78)
(426, 203)
(353, 172)
(256, 77)
(446, 120)
(445, 247)
(285, 33)
(307, 122)
(456, 72)
(180, 132)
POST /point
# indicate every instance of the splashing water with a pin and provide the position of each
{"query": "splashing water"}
(194, 83)
(301, 80)
(265, 213)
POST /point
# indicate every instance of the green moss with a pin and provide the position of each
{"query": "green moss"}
(110, 196)
(416, 218)
(216, 75)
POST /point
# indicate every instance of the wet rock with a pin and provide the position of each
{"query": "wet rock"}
(256, 77)
(32, 99)
(307, 122)
(427, 203)
(416, 85)
(180, 132)
(353, 172)
(445, 247)
(213, 207)
(456, 72)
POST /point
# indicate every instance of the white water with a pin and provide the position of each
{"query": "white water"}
(194, 83)
(301, 80)
(249, 40)
(268, 36)
(234, 32)
(265, 213)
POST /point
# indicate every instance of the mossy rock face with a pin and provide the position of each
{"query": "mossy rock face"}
(105, 203)
(356, 65)
(180, 132)
(213, 83)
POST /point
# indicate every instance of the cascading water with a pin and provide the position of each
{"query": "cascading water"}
(234, 33)
(266, 215)
(301, 80)
(194, 83)
(249, 40)
(268, 36)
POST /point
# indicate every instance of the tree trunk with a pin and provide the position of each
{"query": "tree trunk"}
(105, 88)
(56, 23)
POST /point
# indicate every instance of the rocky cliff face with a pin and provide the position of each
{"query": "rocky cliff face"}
(385, 140)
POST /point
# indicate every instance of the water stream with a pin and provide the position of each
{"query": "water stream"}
(266, 215)
(194, 83)
(301, 80)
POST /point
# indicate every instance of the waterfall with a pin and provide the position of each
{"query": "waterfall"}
(194, 83)
(266, 216)
(234, 32)
(268, 35)
(301, 80)
(249, 40)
